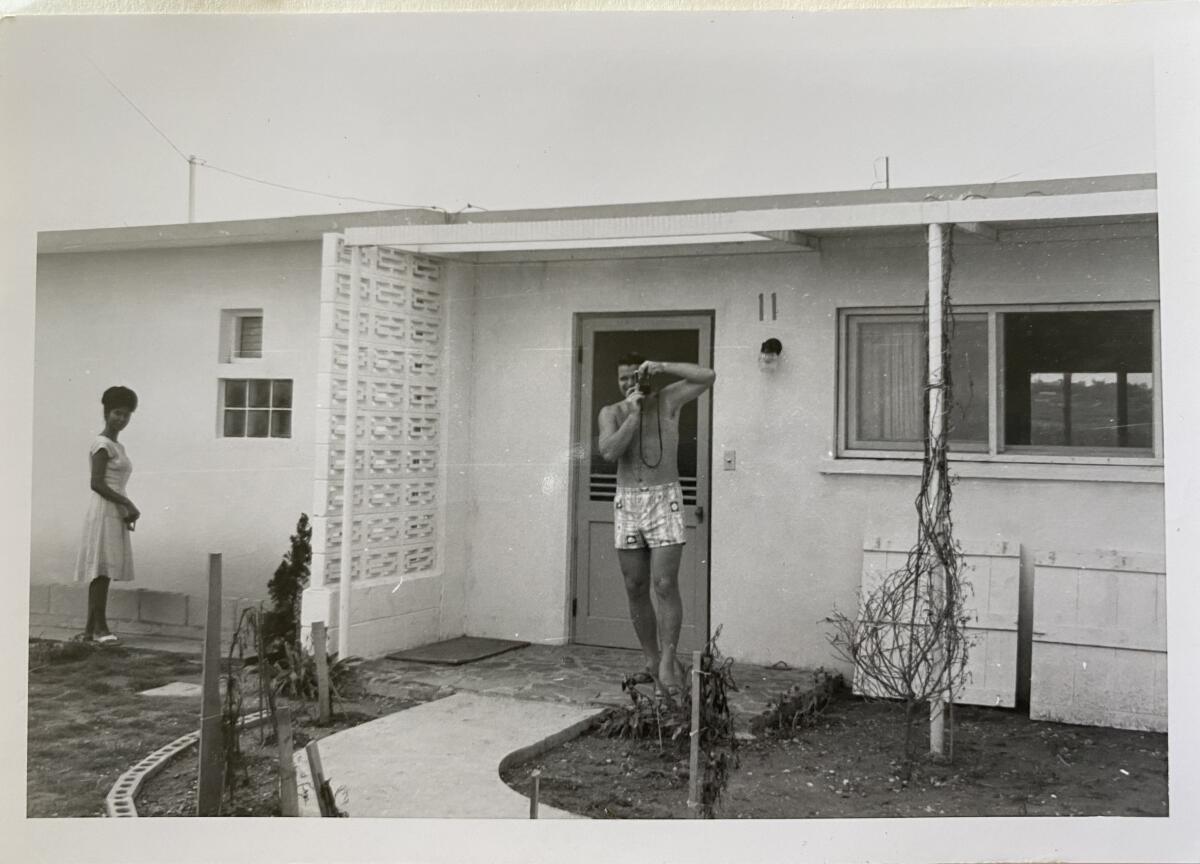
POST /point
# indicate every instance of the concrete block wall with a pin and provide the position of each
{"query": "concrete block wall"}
(131, 611)
(1100, 639)
(384, 617)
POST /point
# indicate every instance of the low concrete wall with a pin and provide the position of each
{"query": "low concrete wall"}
(138, 611)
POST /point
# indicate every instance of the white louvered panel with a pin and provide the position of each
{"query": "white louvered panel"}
(397, 490)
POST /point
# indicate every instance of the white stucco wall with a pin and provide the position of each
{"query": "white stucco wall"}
(786, 538)
(150, 320)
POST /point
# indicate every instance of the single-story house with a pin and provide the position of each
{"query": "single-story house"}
(486, 343)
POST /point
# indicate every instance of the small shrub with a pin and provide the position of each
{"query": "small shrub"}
(281, 623)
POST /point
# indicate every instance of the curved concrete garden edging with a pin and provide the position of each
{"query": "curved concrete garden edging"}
(119, 801)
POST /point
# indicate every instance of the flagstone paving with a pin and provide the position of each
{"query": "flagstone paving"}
(578, 674)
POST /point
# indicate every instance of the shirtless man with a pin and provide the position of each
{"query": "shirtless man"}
(641, 434)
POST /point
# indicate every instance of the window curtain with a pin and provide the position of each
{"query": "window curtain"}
(891, 372)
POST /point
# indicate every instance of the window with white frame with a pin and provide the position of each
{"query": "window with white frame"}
(1069, 381)
(256, 408)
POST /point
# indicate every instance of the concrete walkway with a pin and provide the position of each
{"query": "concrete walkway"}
(442, 759)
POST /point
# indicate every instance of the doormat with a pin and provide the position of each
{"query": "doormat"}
(455, 652)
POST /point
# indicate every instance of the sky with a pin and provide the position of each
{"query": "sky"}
(504, 111)
(507, 111)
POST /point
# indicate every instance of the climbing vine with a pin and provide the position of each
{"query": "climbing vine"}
(908, 641)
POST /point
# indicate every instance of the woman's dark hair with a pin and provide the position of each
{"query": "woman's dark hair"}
(118, 397)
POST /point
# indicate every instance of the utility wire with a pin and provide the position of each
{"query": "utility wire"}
(247, 177)
(134, 106)
(313, 191)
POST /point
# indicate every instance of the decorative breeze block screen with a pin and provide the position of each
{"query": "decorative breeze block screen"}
(397, 483)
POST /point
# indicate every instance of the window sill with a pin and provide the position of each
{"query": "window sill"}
(1080, 469)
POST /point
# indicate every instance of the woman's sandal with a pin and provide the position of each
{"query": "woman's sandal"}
(107, 639)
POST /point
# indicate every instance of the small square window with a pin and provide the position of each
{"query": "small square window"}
(241, 335)
(249, 340)
(256, 408)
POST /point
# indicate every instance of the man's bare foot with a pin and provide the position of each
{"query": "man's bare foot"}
(670, 673)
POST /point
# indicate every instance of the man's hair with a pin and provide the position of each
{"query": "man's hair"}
(118, 397)
(631, 359)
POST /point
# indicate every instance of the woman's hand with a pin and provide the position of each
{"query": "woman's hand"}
(131, 514)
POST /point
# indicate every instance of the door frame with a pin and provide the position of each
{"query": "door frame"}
(578, 450)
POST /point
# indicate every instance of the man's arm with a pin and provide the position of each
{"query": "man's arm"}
(614, 437)
(695, 380)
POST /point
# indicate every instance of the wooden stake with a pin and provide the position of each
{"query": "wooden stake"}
(694, 759)
(323, 707)
(260, 650)
(533, 799)
(208, 791)
(320, 784)
(288, 805)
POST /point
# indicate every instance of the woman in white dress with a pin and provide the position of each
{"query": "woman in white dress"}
(106, 553)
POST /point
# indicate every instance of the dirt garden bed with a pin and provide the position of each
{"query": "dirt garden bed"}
(847, 765)
(88, 724)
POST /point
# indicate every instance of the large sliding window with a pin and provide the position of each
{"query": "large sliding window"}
(1060, 381)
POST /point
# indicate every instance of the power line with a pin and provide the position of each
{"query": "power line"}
(247, 177)
(313, 191)
(134, 106)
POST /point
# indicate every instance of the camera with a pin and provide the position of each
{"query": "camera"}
(643, 382)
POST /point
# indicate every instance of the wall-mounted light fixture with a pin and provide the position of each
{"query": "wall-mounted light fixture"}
(768, 357)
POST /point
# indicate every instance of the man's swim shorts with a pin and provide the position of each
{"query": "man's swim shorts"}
(648, 516)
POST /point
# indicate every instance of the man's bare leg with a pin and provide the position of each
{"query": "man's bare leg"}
(664, 575)
(635, 567)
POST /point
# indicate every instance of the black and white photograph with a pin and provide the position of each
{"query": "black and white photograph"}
(749, 425)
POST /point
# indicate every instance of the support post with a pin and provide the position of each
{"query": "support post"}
(533, 798)
(937, 264)
(208, 788)
(694, 757)
(288, 804)
(322, 664)
(351, 445)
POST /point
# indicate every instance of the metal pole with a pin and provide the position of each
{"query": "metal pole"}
(937, 705)
(350, 440)
(191, 189)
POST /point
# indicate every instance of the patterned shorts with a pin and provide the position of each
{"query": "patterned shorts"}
(648, 516)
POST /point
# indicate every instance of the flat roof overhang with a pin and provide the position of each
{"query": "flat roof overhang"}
(762, 230)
